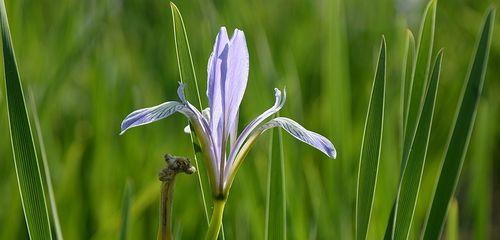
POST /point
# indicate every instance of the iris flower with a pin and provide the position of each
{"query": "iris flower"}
(217, 126)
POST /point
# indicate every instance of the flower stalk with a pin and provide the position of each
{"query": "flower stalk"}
(216, 220)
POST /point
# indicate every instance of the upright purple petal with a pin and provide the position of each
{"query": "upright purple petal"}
(217, 71)
(236, 79)
(315, 140)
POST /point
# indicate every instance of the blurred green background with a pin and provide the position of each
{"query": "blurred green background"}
(90, 63)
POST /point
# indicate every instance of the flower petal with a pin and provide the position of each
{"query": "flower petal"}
(315, 140)
(217, 71)
(200, 120)
(278, 104)
(236, 79)
(149, 115)
(193, 111)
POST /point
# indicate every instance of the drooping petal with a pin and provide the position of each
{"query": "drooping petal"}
(149, 115)
(313, 139)
(278, 104)
(236, 79)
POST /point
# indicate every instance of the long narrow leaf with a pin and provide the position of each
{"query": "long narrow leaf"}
(459, 139)
(481, 172)
(28, 173)
(276, 201)
(419, 76)
(46, 170)
(452, 224)
(370, 149)
(413, 171)
(184, 58)
(127, 196)
(188, 76)
(406, 81)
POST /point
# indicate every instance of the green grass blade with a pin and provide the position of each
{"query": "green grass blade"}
(336, 74)
(184, 58)
(413, 171)
(188, 76)
(276, 201)
(370, 149)
(28, 173)
(125, 217)
(481, 172)
(452, 232)
(459, 140)
(46, 170)
(407, 79)
(419, 75)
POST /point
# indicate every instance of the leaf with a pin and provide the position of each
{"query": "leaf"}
(419, 76)
(452, 232)
(276, 201)
(188, 76)
(415, 76)
(28, 173)
(184, 58)
(127, 196)
(479, 199)
(459, 139)
(46, 169)
(370, 149)
(406, 81)
(412, 174)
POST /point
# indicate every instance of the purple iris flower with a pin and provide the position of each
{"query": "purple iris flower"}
(227, 79)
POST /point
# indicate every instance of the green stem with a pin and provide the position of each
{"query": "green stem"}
(216, 220)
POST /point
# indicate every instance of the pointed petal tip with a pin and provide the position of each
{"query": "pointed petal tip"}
(277, 92)
(180, 92)
(123, 129)
(332, 153)
(238, 31)
(283, 98)
(222, 30)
